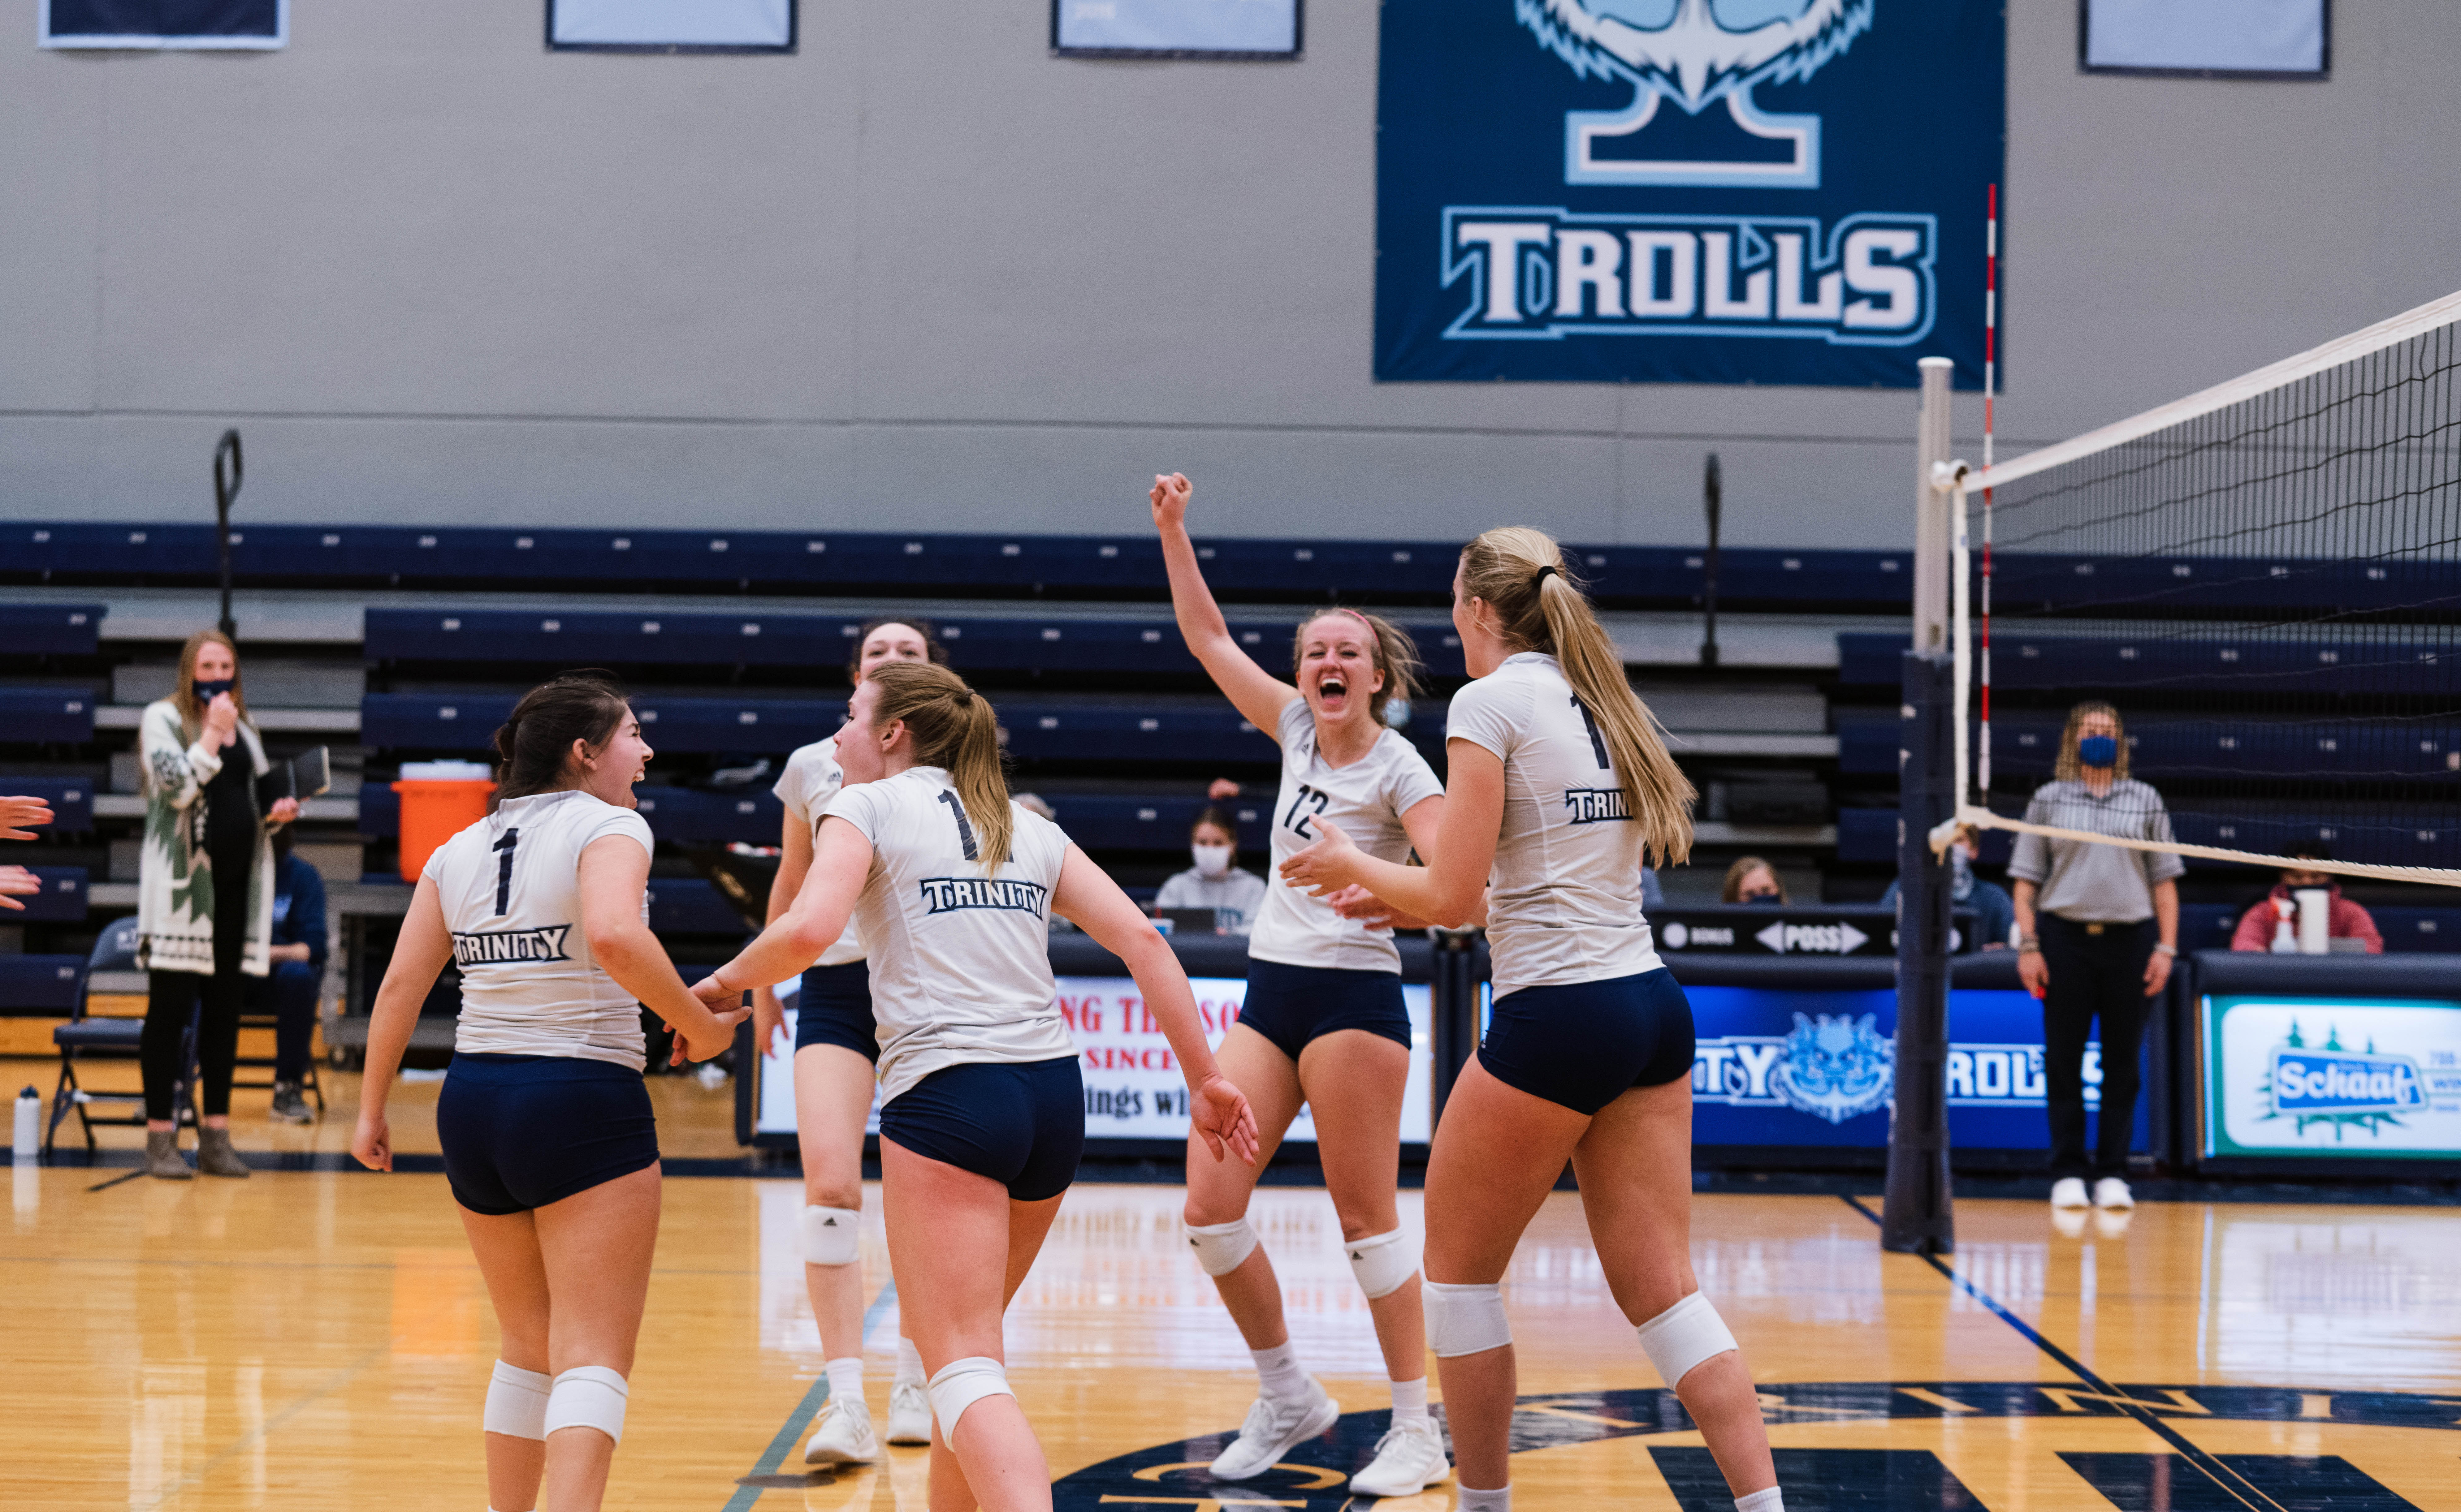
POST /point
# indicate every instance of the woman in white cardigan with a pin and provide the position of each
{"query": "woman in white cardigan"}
(204, 902)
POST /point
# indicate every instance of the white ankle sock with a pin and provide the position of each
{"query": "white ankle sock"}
(1769, 1500)
(910, 1364)
(1499, 1500)
(845, 1380)
(1278, 1369)
(1410, 1402)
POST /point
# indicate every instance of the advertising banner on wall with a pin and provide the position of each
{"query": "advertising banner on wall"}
(2338, 1078)
(1685, 191)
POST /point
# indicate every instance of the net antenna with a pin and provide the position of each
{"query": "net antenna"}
(2263, 579)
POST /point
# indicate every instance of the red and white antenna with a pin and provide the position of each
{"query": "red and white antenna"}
(1990, 385)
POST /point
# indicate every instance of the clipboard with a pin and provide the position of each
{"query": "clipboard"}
(307, 775)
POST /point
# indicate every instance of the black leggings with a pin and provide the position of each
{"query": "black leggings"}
(171, 994)
(2093, 975)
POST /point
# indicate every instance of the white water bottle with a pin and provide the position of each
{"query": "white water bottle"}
(27, 1141)
(2285, 938)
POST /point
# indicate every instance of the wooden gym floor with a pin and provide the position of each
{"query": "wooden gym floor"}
(321, 1338)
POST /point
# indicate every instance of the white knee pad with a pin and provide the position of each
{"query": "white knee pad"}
(589, 1397)
(1383, 1262)
(832, 1236)
(1685, 1335)
(1464, 1319)
(962, 1383)
(516, 1402)
(1220, 1247)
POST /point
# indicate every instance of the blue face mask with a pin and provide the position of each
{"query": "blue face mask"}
(1766, 900)
(2098, 751)
(207, 692)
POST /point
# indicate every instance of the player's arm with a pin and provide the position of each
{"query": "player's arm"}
(1258, 694)
(794, 859)
(1087, 898)
(614, 872)
(1449, 891)
(421, 952)
(812, 923)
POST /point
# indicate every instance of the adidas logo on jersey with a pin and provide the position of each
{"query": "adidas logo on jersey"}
(1595, 805)
(948, 894)
(488, 948)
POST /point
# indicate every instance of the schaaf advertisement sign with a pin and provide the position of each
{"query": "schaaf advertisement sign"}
(1685, 191)
(1133, 1086)
(2363, 1078)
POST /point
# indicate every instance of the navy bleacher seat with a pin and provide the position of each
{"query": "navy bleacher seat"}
(40, 985)
(32, 715)
(690, 816)
(62, 899)
(1867, 740)
(1207, 730)
(692, 906)
(71, 798)
(2188, 659)
(468, 721)
(1103, 821)
(1868, 834)
(2025, 743)
(50, 629)
(2170, 588)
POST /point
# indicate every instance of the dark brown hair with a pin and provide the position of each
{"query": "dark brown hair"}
(533, 741)
(931, 646)
(1220, 818)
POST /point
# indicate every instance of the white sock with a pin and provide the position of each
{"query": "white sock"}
(845, 1380)
(910, 1364)
(1410, 1403)
(1278, 1369)
(1499, 1500)
(1770, 1499)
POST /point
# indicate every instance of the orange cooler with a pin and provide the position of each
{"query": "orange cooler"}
(439, 799)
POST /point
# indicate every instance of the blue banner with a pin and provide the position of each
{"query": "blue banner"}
(1685, 191)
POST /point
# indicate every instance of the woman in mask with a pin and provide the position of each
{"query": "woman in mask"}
(1215, 882)
(1752, 880)
(2097, 928)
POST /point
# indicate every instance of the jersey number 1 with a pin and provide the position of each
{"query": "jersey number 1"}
(965, 830)
(504, 869)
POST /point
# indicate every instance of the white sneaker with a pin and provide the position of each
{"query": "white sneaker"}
(844, 1437)
(1275, 1423)
(2068, 1192)
(2112, 1192)
(910, 1413)
(1409, 1459)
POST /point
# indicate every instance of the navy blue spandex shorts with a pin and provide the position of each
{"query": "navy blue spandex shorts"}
(835, 1008)
(1585, 1044)
(1021, 1124)
(522, 1131)
(1292, 1005)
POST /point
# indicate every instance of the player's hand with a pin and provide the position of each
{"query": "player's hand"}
(222, 719)
(372, 1141)
(768, 1019)
(2157, 974)
(1219, 1114)
(1170, 495)
(710, 1042)
(2034, 971)
(283, 812)
(1361, 906)
(16, 882)
(18, 816)
(1222, 788)
(713, 997)
(1326, 866)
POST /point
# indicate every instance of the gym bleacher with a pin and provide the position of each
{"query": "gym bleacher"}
(405, 643)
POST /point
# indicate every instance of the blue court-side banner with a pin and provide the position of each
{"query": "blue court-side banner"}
(1685, 191)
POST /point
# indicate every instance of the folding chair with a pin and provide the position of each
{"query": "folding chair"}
(311, 1084)
(114, 949)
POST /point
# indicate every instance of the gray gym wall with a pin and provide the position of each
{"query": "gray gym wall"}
(923, 275)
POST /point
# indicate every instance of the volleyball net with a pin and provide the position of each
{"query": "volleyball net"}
(2264, 581)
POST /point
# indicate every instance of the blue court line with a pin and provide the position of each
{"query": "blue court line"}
(2230, 1481)
(804, 1412)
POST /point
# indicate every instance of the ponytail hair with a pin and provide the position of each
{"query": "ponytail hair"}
(954, 727)
(1538, 605)
(534, 741)
(1395, 653)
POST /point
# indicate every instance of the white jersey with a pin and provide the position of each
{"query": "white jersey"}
(960, 959)
(810, 783)
(512, 890)
(1564, 903)
(1367, 798)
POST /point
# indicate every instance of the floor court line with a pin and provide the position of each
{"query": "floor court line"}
(2223, 1476)
(804, 1410)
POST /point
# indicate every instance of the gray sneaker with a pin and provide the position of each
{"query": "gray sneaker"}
(290, 1106)
(1273, 1425)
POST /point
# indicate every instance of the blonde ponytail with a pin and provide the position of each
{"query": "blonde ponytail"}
(954, 727)
(1538, 605)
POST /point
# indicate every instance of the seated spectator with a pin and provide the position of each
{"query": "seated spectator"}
(1995, 912)
(291, 991)
(1214, 881)
(2261, 927)
(1752, 880)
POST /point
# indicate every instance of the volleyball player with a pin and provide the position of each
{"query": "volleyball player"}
(1322, 1023)
(549, 1142)
(837, 1047)
(1559, 786)
(983, 1113)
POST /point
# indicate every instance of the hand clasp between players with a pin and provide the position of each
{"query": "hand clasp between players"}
(1326, 867)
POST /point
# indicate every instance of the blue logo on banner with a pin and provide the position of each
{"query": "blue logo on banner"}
(1612, 191)
(2320, 1082)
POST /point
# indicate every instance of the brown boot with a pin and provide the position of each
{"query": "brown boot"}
(163, 1155)
(215, 1156)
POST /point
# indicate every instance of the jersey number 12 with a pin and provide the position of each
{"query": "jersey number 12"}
(1296, 822)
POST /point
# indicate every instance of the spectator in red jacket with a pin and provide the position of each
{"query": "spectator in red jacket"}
(2345, 920)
